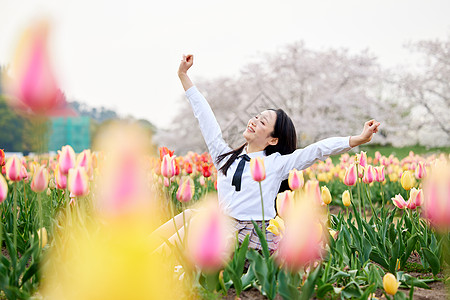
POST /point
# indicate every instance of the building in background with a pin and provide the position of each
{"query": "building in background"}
(74, 131)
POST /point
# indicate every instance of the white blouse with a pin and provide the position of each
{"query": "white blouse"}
(246, 204)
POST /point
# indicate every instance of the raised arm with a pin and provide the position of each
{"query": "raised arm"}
(212, 134)
(304, 158)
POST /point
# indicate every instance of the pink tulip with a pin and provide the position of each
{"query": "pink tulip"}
(167, 166)
(379, 174)
(209, 239)
(186, 190)
(40, 180)
(369, 174)
(399, 201)
(84, 159)
(13, 168)
(34, 84)
(437, 197)
(166, 182)
(78, 181)
(416, 197)
(257, 169)
(350, 176)
(60, 178)
(3, 188)
(362, 159)
(421, 171)
(295, 179)
(24, 173)
(284, 203)
(66, 159)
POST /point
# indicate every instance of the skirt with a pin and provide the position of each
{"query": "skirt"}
(244, 228)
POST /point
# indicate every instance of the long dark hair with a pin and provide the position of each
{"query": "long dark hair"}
(284, 130)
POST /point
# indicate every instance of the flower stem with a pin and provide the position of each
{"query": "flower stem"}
(262, 207)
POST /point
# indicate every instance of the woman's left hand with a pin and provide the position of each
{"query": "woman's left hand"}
(370, 127)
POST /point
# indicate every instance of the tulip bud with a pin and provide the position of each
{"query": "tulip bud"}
(40, 180)
(43, 238)
(78, 181)
(3, 188)
(284, 202)
(295, 179)
(13, 168)
(326, 195)
(390, 284)
(379, 174)
(66, 159)
(407, 180)
(346, 198)
(399, 201)
(257, 169)
(186, 190)
(350, 176)
(369, 174)
(421, 171)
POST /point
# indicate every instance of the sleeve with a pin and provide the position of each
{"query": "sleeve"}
(304, 158)
(212, 134)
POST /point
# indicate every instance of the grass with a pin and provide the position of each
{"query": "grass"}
(403, 151)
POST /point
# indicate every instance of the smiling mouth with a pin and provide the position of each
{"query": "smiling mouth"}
(250, 129)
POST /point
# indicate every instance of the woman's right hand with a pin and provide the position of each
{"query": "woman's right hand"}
(185, 64)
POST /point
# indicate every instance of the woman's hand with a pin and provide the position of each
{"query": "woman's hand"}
(186, 62)
(370, 127)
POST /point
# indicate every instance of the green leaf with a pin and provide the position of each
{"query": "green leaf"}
(410, 245)
(323, 290)
(308, 286)
(262, 239)
(285, 288)
(432, 260)
(413, 281)
(30, 273)
(376, 257)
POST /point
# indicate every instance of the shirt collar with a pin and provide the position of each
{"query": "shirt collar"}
(253, 154)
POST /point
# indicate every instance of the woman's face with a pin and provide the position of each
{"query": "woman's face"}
(259, 129)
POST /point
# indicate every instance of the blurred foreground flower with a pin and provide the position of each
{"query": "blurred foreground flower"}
(437, 196)
(43, 238)
(210, 238)
(3, 188)
(186, 190)
(284, 202)
(33, 85)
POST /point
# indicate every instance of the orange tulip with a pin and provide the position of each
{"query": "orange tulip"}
(2, 158)
(257, 169)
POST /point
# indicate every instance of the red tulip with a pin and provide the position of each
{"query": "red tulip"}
(206, 170)
(2, 158)
(163, 151)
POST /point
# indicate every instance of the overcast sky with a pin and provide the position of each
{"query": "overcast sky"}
(124, 54)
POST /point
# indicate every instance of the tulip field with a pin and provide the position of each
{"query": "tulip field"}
(80, 227)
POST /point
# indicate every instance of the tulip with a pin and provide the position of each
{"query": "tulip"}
(13, 169)
(437, 195)
(399, 201)
(2, 158)
(66, 159)
(407, 180)
(3, 188)
(208, 244)
(362, 159)
(421, 171)
(312, 191)
(369, 174)
(43, 237)
(188, 167)
(276, 226)
(84, 160)
(301, 243)
(295, 179)
(346, 198)
(257, 169)
(24, 173)
(78, 181)
(416, 197)
(40, 180)
(206, 170)
(34, 84)
(167, 166)
(326, 195)
(166, 182)
(163, 151)
(60, 178)
(350, 176)
(379, 174)
(186, 190)
(284, 202)
(390, 284)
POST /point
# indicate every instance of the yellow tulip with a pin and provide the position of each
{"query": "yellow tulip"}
(407, 180)
(43, 238)
(346, 198)
(326, 195)
(390, 284)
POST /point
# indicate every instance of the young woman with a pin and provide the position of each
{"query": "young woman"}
(270, 134)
